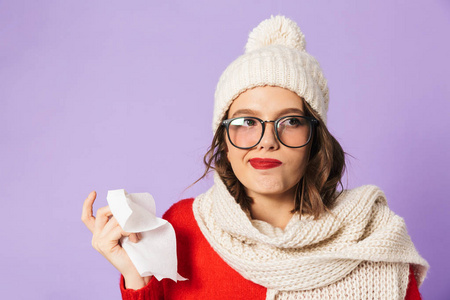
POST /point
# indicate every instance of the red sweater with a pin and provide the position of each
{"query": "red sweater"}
(209, 276)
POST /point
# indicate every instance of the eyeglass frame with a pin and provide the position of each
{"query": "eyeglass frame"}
(313, 121)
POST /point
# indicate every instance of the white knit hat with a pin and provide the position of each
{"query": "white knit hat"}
(275, 55)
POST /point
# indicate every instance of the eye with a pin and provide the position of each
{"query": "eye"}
(292, 121)
(244, 122)
(249, 122)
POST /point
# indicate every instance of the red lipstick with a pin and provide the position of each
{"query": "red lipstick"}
(264, 163)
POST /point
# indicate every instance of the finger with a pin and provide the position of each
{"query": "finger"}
(113, 232)
(102, 218)
(109, 226)
(112, 226)
(107, 235)
(133, 237)
(86, 215)
(108, 238)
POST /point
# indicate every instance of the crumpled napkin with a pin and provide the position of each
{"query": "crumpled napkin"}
(155, 254)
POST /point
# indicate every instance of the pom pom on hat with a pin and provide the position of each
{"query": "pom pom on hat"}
(275, 55)
(277, 30)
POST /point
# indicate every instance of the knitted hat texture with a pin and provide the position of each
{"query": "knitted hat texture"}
(275, 55)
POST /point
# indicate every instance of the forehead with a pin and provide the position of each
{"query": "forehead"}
(267, 100)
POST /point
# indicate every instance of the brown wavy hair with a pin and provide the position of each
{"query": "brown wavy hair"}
(316, 192)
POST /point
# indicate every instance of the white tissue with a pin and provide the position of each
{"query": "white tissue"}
(156, 253)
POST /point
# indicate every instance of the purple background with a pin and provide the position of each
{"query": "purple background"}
(115, 94)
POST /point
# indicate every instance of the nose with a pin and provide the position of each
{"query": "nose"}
(269, 140)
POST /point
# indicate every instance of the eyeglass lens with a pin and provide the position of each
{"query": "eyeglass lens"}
(246, 132)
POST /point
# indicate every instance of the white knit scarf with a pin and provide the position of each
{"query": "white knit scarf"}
(362, 240)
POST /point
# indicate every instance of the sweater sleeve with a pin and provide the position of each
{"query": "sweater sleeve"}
(152, 291)
(412, 292)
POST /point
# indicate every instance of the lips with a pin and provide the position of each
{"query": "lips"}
(264, 163)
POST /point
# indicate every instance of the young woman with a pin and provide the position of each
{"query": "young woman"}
(274, 226)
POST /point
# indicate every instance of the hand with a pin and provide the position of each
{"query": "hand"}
(106, 240)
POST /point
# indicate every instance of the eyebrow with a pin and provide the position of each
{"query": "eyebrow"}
(252, 112)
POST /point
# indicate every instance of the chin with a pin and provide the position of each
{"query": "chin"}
(269, 186)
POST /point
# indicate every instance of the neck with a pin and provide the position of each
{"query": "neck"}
(273, 209)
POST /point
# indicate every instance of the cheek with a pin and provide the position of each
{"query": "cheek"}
(298, 160)
(235, 157)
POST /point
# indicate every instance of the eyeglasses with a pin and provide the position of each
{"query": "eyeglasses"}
(291, 131)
